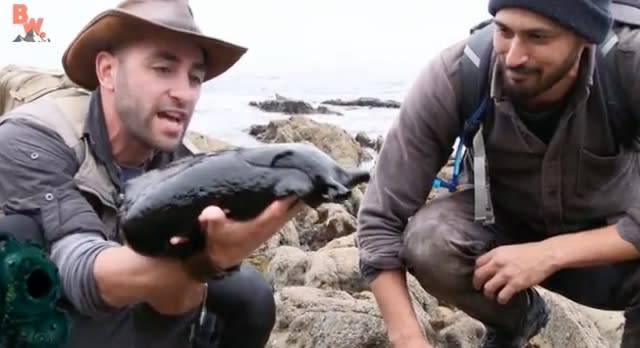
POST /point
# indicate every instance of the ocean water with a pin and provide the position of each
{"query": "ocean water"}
(223, 111)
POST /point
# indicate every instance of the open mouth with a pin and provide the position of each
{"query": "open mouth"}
(172, 123)
(171, 116)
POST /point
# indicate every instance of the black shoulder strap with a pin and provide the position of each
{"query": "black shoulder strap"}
(613, 92)
(474, 74)
(615, 86)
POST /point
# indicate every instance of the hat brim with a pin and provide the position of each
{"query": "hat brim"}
(115, 26)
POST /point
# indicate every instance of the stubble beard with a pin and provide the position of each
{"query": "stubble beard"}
(523, 94)
(137, 120)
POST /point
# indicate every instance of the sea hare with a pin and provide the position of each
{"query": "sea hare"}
(166, 202)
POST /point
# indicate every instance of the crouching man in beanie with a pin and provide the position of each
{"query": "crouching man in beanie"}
(548, 195)
(64, 161)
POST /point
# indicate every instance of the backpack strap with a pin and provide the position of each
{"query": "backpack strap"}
(475, 68)
(607, 77)
(616, 87)
(474, 100)
(474, 73)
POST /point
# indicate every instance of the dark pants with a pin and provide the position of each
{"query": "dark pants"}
(441, 244)
(242, 304)
(244, 307)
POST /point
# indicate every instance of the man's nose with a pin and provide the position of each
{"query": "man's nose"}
(184, 90)
(517, 53)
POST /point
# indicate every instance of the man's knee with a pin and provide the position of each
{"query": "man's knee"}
(432, 254)
(441, 243)
(245, 296)
(259, 303)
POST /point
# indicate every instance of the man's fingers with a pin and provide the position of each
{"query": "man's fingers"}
(286, 207)
(507, 293)
(484, 258)
(211, 213)
(276, 213)
(494, 284)
(287, 204)
(482, 274)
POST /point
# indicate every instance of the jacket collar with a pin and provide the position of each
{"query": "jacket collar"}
(95, 130)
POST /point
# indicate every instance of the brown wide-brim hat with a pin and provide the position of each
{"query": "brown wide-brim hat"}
(120, 24)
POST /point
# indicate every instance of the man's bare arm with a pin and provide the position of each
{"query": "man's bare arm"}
(416, 147)
(591, 248)
(394, 301)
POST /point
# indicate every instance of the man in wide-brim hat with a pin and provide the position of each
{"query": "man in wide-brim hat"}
(124, 23)
(141, 66)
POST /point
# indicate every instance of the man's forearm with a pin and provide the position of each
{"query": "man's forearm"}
(591, 248)
(122, 277)
(392, 295)
(75, 257)
(100, 276)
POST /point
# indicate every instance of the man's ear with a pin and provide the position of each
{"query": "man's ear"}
(106, 65)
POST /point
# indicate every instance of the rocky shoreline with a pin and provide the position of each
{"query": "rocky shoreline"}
(322, 300)
(290, 106)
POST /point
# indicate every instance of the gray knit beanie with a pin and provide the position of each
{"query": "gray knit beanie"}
(589, 18)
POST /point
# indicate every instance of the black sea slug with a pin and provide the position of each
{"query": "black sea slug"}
(166, 202)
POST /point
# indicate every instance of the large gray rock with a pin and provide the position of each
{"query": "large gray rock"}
(206, 143)
(331, 139)
(571, 326)
(312, 318)
(324, 224)
(323, 301)
(287, 236)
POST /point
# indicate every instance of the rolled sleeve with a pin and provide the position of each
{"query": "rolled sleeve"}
(37, 170)
(75, 254)
(417, 146)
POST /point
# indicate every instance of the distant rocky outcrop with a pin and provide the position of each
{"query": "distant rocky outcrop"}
(290, 106)
(364, 102)
(336, 142)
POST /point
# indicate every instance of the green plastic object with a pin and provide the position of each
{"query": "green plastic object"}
(29, 293)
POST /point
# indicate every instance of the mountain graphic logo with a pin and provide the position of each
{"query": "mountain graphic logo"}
(30, 36)
(31, 26)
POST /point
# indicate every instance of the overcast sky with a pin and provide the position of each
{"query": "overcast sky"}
(280, 34)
